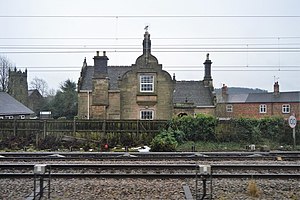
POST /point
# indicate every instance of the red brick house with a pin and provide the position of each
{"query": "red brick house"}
(258, 105)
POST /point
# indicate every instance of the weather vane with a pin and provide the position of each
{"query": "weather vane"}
(146, 28)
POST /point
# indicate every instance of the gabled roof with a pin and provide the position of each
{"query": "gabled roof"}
(233, 98)
(10, 106)
(192, 92)
(282, 97)
(34, 91)
(114, 72)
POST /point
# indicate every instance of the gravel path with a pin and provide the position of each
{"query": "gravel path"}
(150, 189)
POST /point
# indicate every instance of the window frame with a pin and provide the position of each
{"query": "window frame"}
(286, 108)
(263, 108)
(148, 111)
(9, 117)
(145, 85)
(229, 108)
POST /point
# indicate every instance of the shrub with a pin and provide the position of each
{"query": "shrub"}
(198, 128)
(164, 141)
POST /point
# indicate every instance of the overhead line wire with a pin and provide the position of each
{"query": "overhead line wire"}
(149, 16)
(221, 70)
(157, 51)
(158, 38)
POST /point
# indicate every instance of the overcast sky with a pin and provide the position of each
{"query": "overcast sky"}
(251, 43)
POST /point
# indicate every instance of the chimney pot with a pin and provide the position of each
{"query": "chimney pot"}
(97, 53)
(104, 53)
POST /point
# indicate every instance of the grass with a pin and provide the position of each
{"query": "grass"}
(210, 146)
(229, 146)
(253, 190)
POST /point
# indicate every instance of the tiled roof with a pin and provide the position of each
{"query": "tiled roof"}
(282, 97)
(10, 106)
(192, 92)
(234, 98)
(270, 97)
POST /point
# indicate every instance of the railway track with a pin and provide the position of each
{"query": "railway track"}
(68, 156)
(153, 170)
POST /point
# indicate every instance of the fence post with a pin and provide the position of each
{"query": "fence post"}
(37, 140)
(15, 127)
(104, 127)
(74, 126)
(45, 128)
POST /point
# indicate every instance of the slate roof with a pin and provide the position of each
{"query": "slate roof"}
(282, 97)
(10, 106)
(192, 92)
(114, 72)
(233, 98)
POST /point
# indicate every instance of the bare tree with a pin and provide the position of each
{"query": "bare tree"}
(39, 84)
(5, 66)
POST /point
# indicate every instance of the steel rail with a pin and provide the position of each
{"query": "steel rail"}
(152, 153)
(149, 156)
(148, 175)
(153, 166)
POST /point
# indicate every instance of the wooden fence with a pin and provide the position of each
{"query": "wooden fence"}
(73, 126)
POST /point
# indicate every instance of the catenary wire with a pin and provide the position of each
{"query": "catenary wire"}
(154, 38)
(149, 16)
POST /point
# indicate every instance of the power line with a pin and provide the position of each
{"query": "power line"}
(157, 48)
(153, 46)
(174, 66)
(191, 70)
(154, 38)
(158, 51)
(149, 16)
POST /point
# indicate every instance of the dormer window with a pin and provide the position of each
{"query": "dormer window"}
(146, 83)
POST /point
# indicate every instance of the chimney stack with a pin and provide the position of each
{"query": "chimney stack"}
(224, 92)
(276, 88)
(147, 44)
(207, 72)
(100, 65)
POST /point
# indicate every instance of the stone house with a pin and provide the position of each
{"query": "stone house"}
(258, 105)
(35, 101)
(140, 91)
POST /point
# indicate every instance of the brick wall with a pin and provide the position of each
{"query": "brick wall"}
(251, 110)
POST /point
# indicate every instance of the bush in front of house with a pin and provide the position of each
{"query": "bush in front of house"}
(164, 141)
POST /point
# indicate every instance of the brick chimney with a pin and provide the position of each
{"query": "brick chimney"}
(100, 65)
(224, 92)
(276, 88)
